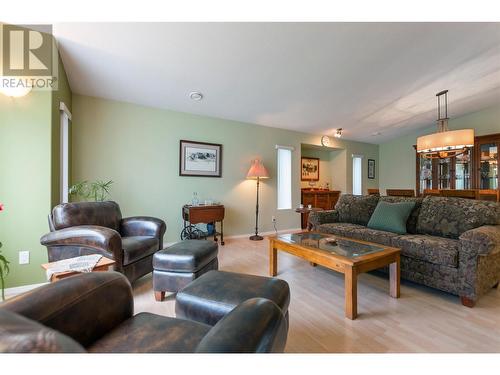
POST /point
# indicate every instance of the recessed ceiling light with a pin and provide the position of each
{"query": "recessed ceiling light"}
(338, 133)
(376, 133)
(196, 95)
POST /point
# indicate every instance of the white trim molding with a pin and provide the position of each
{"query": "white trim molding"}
(62, 107)
(12, 292)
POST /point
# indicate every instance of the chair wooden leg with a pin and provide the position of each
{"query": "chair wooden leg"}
(159, 295)
(467, 302)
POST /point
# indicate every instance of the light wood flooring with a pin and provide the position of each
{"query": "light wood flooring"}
(422, 320)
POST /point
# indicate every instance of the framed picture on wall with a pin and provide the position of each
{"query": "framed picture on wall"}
(309, 169)
(371, 168)
(200, 159)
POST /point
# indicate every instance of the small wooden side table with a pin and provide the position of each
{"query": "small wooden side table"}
(305, 211)
(103, 265)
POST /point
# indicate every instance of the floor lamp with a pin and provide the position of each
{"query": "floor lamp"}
(257, 172)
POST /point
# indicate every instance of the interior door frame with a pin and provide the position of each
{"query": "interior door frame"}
(65, 118)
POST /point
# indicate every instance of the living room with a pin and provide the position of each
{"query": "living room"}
(250, 187)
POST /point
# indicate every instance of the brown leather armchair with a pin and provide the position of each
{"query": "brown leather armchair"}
(84, 228)
(93, 312)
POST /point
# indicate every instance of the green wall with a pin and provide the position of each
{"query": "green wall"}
(29, 175)
(397, 157)
(138, 148)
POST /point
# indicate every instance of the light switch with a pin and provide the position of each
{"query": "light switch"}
(24, 257)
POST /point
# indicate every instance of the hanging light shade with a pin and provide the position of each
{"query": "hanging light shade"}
(445, 143)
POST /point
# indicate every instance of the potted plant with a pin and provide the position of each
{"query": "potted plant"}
(4, 266)
(97, 191)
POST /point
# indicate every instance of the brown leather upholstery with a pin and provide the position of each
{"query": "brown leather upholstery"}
(212, 296)
(84, 228)
(178, 265)
(93, 312)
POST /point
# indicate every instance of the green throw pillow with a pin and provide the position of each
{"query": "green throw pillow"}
(391, 217)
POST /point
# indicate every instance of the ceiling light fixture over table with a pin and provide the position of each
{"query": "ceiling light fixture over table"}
(445, 143)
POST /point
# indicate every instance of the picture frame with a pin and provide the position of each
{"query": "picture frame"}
(371, 169)
(309, 169)
(200, 159)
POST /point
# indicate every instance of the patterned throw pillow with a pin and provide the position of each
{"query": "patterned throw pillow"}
(391, 217)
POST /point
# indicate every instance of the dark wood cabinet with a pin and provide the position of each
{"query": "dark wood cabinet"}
(324, 199)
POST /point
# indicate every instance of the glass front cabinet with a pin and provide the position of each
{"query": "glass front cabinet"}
(475, 169)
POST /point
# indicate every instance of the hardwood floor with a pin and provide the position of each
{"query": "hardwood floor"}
(422, 320)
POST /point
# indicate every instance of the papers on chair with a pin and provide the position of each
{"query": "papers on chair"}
(85, 263)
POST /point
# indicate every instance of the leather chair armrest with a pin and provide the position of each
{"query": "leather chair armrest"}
(484, 240)
(107, 241)
(254, 326)
(83, 307)
(143, 226)
(316, 218)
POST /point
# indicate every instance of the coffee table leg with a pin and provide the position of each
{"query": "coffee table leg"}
(351, 292)
(273, 259)
(395, 275)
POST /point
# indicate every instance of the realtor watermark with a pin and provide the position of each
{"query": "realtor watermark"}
(29, 57)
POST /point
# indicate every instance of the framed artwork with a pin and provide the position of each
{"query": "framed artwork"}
(371, 168)
(309, 169)
(200, 159)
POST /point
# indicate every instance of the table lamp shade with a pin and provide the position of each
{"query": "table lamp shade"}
(257, 170)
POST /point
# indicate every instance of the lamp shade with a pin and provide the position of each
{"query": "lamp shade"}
(446, 141)
(257, 170)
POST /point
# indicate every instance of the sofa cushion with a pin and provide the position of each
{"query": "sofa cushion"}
(151, 333)
(391, 217)
(436, 250)
(104, 214)
(450, 217)
(358, 232)
(411, 223)
(356, 209)
(138, 247)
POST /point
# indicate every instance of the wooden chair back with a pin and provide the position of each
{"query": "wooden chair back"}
(433, 192)
(489, 195)
(373, 192)
(400, 192)
(468, 194)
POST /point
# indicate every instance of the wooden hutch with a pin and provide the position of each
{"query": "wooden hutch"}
(318, 198)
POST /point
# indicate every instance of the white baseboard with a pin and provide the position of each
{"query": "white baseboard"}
(246, 235)
(270, 233)
(12, 292)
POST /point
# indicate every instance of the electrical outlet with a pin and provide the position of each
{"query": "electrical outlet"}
(24, 257)
(273, 219)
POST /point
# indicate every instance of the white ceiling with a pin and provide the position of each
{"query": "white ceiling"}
(311, 77)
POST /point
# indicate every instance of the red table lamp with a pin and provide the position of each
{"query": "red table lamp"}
(256, 172)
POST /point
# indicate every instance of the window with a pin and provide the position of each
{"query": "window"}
(65, 118)
(357, 176)
(284, 177)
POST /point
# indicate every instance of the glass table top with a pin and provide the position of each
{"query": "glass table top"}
(330, 243)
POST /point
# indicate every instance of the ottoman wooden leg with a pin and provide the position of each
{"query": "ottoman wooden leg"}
(159, 295)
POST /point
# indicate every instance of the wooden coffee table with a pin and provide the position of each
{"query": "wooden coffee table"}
(103, 265)
(345, 255)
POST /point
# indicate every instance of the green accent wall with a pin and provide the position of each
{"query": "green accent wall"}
(29, 175)
(138, 148)
(397, 157)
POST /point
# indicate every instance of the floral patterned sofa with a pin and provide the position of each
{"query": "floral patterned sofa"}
(452, 244)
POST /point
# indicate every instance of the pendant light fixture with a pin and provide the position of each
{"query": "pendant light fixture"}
(445, 143)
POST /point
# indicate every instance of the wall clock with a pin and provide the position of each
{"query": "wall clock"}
(325, 140)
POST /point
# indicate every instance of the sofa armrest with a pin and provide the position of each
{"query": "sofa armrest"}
(107, 241)
(484, 240)
(83, 307)
(316, 218)
(254, 326)
(143, 226)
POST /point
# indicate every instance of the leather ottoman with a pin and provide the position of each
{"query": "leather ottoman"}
(178, 265)
(212, 296)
